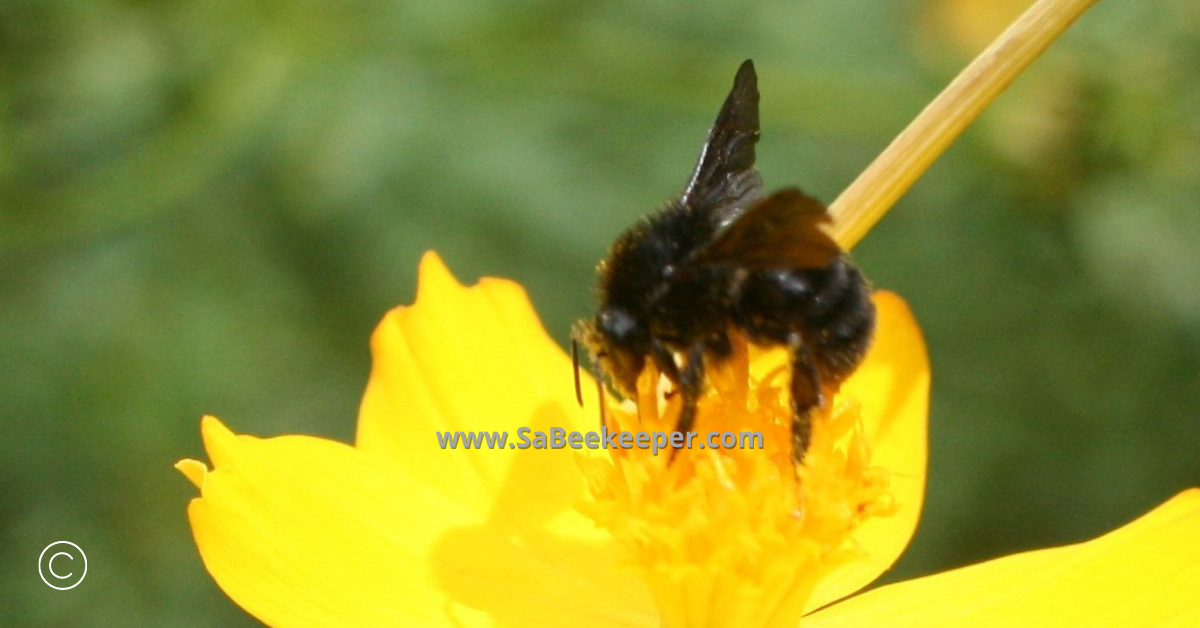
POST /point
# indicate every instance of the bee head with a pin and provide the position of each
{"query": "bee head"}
(623, 342)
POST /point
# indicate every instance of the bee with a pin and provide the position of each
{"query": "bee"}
(724, 256)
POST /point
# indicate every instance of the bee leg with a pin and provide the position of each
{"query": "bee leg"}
(691, 384)
(806, 395)
(664, 360)
(601, 398)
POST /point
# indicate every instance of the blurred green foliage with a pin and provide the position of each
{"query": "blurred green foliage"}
(206, 206)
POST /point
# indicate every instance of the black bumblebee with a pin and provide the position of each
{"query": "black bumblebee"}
(721, 256)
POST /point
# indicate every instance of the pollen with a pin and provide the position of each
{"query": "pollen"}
(736, 536)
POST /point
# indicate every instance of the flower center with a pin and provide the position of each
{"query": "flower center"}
(737, 536)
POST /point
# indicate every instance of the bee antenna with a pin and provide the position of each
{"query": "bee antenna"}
(600, 396)
(575, 360)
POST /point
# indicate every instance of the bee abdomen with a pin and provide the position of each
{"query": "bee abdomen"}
(842, 319)
(829, 306)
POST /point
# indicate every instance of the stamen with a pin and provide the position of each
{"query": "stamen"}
(737, 536)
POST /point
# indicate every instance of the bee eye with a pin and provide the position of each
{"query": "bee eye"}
(617, 324)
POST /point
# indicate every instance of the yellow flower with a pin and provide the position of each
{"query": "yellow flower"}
(396, 531)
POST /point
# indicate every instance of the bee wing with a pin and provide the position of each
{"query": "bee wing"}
(782, 230)
(724, 181)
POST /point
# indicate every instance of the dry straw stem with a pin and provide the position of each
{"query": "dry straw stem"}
(862, 204)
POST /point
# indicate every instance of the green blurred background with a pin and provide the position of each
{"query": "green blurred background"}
(206, 207)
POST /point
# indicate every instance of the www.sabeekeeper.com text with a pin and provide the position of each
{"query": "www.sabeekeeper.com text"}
(560, 438)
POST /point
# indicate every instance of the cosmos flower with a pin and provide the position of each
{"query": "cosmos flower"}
(397, 530)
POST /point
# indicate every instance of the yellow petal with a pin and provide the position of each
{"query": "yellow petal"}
(193, 470)
(478, 359)
(893, 386)
(306, 532)
(1144, 574)
(472, 359)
